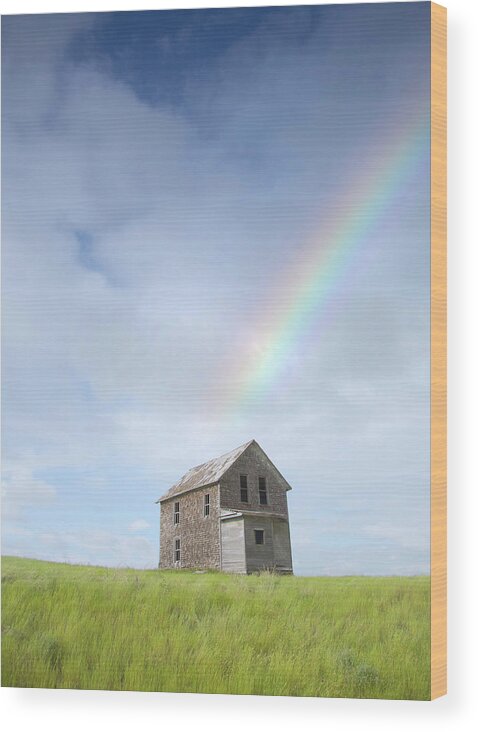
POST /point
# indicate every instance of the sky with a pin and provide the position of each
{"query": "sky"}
(216, 228)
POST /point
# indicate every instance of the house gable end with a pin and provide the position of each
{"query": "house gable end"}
(240, 486)
(254, 446)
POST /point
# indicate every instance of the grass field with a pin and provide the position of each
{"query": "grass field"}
(68, 626)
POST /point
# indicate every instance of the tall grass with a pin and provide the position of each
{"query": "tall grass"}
(67, 626)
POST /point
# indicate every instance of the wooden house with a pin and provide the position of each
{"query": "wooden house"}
(229, 514)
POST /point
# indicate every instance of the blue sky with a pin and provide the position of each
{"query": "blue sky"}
(162, 172)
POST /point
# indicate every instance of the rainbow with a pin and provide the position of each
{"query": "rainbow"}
(321, 268)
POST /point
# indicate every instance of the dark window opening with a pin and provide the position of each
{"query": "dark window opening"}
(244, 490)
(262, 492)
(177, 550)
(259, 536)
(206, 504)
(176, 512)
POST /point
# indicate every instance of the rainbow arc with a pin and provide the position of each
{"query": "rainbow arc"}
(320, 268)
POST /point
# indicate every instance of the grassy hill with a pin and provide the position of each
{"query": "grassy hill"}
(68, 626)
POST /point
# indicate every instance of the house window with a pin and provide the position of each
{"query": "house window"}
(244, 491)
(262, 492)
(206, 504)
(176, 512)
(259, 536)
(177, 550)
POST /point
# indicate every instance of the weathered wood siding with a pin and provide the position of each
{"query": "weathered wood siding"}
(233, 552)
(199, 535)
(282, 550)
(254, 463)
(275, 553)
(258, 556)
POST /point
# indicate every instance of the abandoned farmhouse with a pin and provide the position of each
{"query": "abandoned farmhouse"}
(228, 514)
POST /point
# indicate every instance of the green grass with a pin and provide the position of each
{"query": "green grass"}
(67, 626)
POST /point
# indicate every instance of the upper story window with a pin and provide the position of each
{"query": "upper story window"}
(206, 504)
(176, 512)
(244, 489)
(177, 550)
(262, 492)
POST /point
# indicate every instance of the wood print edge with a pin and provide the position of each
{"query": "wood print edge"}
(438, 353)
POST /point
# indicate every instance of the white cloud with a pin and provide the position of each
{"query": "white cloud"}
(138, 525)
(21, 491)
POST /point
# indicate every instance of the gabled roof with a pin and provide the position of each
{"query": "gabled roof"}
(211, 472)
(205, 474)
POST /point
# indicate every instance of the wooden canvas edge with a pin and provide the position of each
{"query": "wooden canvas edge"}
(438, 350)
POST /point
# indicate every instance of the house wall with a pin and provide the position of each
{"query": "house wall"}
(258, 556)
(282, 549)
(233, 550)
(254, 463)
(199, 535)
(275, 553)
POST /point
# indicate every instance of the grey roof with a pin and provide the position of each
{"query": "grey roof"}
(205, 474)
